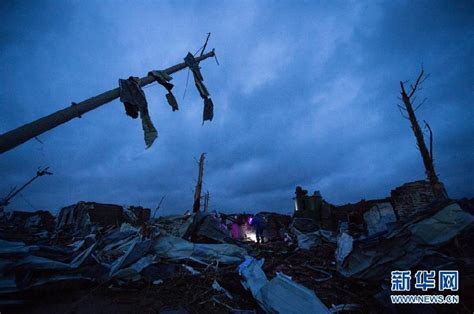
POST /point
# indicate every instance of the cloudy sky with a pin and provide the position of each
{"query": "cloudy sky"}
(305, 94)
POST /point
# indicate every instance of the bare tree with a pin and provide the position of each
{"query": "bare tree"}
(409, 98)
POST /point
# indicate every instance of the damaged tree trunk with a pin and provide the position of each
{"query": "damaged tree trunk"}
(206, 202)
(14, 192)
(407, 98)
(28, 131)
(197, 191)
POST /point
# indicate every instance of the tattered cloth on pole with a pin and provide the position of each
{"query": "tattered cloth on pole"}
(208, 112)
(164, 80)
(133, 98)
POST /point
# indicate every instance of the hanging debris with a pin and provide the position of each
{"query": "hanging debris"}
(135, 105)
(164, 80)
(133, 97)
(193, 64)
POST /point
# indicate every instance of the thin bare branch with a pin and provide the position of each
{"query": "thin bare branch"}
(421, 104)
(417, 83)
(425, 78)
(401, 108)
(159, 205)
(404, 116)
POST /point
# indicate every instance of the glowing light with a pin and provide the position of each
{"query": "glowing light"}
(248, 232)
(251, 236)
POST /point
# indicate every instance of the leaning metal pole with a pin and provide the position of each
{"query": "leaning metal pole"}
(28, 131)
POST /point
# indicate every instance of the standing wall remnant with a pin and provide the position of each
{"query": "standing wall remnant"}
(412, 198)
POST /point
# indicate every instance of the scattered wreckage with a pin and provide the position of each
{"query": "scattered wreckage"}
(121, 258)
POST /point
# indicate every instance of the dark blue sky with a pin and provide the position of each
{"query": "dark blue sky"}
(306, 94)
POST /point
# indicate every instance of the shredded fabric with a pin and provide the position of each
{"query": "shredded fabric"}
(208, 112)
(163, 79)
(134, 100)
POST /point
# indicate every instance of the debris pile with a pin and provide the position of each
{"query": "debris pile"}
(119, 258)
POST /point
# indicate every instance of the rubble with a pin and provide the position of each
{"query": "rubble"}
(208, 228)
(281, 294)
(176, 249)
(276, 225)
(39, 220)
(379, 218)
(344, 247)
(421, 237)
(192, 263)
(80, 217)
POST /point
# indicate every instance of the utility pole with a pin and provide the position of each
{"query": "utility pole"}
(427, 156)
(28, 131)
(197, 191)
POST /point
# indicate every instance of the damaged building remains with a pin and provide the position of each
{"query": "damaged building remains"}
(324, 258)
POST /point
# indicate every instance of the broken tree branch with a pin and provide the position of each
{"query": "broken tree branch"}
(159, 205)
(404, 116)
(431, 139)
(421, 104)
(401, 108)
(417, 83)
(14, 192)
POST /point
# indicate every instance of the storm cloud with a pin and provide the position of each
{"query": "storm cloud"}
(305, 94)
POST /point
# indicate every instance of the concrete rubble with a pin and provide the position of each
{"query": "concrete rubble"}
(210, 262)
